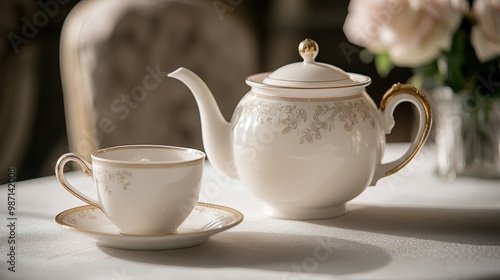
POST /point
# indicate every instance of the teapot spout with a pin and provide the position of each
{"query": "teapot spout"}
(214, 127)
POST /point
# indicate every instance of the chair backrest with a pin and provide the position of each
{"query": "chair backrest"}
(114, 55)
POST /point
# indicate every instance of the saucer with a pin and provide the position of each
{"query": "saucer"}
(204, 221)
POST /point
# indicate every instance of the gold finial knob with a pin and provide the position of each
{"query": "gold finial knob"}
(308, 49)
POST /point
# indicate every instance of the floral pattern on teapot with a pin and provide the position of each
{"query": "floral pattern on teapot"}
(323, 120)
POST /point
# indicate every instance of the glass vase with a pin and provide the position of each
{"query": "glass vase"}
(467, 134)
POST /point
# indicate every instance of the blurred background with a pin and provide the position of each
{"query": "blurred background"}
(99, 81)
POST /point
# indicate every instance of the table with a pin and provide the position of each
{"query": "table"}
(412, 225)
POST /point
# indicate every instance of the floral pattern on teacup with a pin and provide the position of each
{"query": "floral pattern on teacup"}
(106, 177)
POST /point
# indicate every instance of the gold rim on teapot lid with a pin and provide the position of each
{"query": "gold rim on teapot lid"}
(308, 73)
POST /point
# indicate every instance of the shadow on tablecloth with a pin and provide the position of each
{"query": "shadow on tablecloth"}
(291, 254)
(464, 226)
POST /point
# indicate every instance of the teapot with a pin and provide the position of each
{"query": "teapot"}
(306, 138)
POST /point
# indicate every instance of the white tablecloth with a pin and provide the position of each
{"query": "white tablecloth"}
(413, 225)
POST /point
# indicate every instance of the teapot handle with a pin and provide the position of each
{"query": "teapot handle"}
(397, 94)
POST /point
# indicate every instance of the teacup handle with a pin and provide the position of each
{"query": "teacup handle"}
(397, 94)
(87, 169)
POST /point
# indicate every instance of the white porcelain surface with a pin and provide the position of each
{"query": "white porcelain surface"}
(306, 138)
(142, 189)
(286, 156)
(204, 221)
(308, 73)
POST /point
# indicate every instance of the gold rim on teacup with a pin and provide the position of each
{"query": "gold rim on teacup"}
(145, 164)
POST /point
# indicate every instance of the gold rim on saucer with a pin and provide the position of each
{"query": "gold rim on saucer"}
(238, 217)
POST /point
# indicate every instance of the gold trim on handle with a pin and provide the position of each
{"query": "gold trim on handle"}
(62, 180)
(420, 96)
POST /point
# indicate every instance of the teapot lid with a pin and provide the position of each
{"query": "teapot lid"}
(309, 73)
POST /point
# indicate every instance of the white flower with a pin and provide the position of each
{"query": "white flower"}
(411, 32)
(486, 33)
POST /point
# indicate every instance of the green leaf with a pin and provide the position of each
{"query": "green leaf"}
(383, 64)
(455, 60)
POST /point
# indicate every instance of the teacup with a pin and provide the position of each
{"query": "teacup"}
(142, 189)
